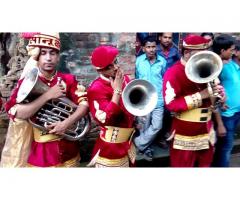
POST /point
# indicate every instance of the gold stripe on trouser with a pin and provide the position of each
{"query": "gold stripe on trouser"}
(195, 115)
(17, 145)
(121, 162)
(105, 162)
(117, 134)
(74, 162)
(41, 138)
(194, 143)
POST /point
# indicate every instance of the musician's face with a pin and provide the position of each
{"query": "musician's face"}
(110, 70)
(189, 53)
(48, 60)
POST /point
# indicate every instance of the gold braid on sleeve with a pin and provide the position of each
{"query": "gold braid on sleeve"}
(193, 101)
(82, 95)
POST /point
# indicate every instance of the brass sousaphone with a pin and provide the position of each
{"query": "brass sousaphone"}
(54, 110)
(205, 67)
(139, 97)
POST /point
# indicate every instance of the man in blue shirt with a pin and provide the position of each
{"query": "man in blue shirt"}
(140, 39)
(150, 67)
(167, 50)
(224, 46)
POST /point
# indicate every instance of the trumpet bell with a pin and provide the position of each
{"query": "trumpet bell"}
(203, 67)
(139, 97)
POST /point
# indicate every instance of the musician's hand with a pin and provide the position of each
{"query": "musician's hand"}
(33, 52)
(55, 92)
(58, 128)
(205, 93)
(221, 93)
(118, 81)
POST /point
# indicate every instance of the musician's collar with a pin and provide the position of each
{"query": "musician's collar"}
(104, 78)
(48, 78)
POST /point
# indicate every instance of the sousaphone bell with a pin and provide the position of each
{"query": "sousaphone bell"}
(139, 97)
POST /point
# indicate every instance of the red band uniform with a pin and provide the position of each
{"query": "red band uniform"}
(61, 150)
(48, 150)
(113, 148)
(192, 127)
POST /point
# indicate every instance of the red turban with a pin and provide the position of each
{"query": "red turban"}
(103, 56)
(195, 42)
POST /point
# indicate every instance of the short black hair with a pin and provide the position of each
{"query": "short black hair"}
(149, 39)
(237, 45)
(208, 33)
(159, 34)
(223, 41)
(237, 48)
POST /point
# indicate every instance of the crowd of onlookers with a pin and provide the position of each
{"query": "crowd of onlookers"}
(195, 120)
(158, 53)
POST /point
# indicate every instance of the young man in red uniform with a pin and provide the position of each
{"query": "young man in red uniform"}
(192, 127)
(114, 147)
(47, 150)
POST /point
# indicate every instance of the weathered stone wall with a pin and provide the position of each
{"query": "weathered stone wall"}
(13, 56)
(75, 58)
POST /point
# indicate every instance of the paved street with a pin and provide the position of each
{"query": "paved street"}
(235, 160)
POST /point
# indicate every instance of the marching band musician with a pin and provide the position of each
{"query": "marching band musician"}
(47, 150)
(114, 147)
(192, 132)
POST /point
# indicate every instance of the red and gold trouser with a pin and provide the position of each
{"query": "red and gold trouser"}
(74, 162)
(187, 158)
(114, 148)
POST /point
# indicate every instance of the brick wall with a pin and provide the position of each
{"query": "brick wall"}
(76, 58)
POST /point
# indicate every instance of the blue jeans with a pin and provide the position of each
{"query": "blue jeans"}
(224, 145)
(151, 125)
